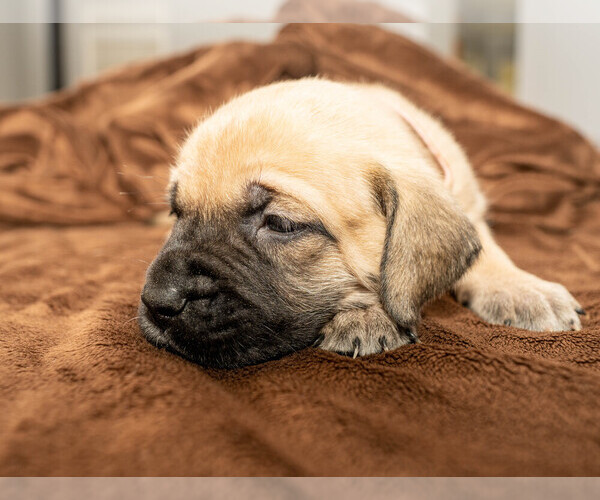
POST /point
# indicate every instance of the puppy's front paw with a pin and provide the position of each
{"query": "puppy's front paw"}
(358, 332)
(520, 299)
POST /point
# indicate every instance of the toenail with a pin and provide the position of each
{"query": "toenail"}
(356, 344)
(412, 336)
(383, 343)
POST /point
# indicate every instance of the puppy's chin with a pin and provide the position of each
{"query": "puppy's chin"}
(233, 348)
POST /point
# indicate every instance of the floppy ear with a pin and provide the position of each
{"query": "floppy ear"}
(429, 244)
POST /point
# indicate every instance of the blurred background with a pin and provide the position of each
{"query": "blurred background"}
(545, 53)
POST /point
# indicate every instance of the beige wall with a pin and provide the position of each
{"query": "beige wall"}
(24, 61)
(558, 49)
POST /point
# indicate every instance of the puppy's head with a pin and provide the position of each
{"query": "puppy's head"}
(287, 214)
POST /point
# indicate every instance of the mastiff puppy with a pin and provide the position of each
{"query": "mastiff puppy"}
(312, 212)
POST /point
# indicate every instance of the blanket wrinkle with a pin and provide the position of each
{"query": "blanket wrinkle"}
(83, 171)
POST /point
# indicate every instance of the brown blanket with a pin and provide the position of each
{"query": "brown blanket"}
(83, 393)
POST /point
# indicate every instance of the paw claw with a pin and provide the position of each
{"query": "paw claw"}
(412, 336)
(318, 341)
(508, 322)
(383, 344)
(356, 344)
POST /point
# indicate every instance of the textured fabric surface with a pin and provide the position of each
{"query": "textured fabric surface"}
(82, 393)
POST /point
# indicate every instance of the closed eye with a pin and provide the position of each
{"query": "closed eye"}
(280, 224)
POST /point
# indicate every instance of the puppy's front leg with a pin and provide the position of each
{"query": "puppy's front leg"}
(362, 331)
(501, 293)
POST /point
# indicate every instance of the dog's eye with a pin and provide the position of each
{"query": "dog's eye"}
(281, 224)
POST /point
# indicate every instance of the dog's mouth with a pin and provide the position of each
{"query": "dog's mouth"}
(164, 338)
(153, 333)
(226, 347)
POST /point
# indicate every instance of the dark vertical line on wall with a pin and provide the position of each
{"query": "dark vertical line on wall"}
(55, 46)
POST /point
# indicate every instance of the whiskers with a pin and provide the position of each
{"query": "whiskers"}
(154, 177)
(129, 193)
(130, 320)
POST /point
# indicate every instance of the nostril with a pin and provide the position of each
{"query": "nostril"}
(170, 310)
(163, 303)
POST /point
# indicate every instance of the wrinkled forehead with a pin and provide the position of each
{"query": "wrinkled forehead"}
(219, 164)
(252, 190)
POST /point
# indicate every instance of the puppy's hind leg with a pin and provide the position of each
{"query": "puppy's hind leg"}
(501, 293)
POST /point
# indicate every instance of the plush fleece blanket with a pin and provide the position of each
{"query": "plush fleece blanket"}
(82, 393)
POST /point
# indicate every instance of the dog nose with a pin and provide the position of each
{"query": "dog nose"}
(175, 279)
(163, 303)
